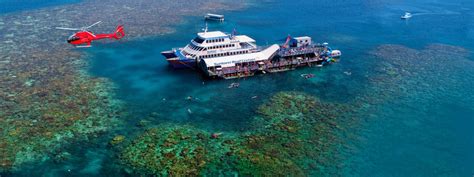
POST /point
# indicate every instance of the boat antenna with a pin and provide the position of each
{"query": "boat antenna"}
(205, 29)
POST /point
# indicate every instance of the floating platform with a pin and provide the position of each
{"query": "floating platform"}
(214, 17)
(228, 56)
(283, 59)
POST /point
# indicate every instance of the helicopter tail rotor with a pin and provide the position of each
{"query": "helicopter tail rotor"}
(119, 33)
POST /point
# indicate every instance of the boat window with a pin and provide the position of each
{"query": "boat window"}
(198, 40)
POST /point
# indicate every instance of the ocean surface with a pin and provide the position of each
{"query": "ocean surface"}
(427, 129)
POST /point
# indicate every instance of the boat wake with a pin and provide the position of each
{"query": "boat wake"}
(435, 13)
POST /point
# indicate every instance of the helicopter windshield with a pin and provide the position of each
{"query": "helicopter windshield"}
(72, 38)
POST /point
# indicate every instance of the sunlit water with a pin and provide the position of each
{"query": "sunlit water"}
(398, 141)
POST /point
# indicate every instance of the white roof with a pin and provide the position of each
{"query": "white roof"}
(302, 37)
(227, 61)
(216, 15)
(244, 38)
(211, 34)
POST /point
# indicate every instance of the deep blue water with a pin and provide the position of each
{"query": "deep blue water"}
(20, 5)
(397, 141)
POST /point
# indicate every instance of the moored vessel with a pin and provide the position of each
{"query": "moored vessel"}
(214, 17)
(228, 56)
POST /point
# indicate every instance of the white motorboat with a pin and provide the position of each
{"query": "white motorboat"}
(406, 16)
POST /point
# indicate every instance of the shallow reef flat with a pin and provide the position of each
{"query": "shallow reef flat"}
(293, 134)
(402, 72)
(407, 91)
(46, 98)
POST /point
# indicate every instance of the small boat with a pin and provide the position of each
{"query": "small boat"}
(406, 16)
(214, 17)
(307, 76)
(234, 85)
(335, 53)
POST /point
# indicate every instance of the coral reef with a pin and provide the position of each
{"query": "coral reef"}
(46, 98)
(37, 121)
(117, 140)
(170, 150)
(293, 134)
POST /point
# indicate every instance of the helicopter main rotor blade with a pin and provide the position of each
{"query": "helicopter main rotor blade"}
(93, 24)
(72, 29)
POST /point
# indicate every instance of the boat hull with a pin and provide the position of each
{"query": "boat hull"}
(181, 64)
(169, 54)
(178, 61)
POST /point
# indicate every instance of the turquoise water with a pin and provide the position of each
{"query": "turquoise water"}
(422, 133)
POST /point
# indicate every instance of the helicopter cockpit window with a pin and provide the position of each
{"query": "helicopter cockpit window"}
(73, 38)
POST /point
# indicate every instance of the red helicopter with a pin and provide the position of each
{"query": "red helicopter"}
(84, 37)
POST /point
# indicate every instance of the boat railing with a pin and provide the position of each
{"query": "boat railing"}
(302, 50)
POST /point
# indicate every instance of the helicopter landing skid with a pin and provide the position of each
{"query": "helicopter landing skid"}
(83, 46)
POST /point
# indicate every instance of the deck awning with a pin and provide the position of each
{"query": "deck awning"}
(228, 61)
(228, 65)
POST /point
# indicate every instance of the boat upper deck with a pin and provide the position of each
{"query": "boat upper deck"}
(294, 51)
